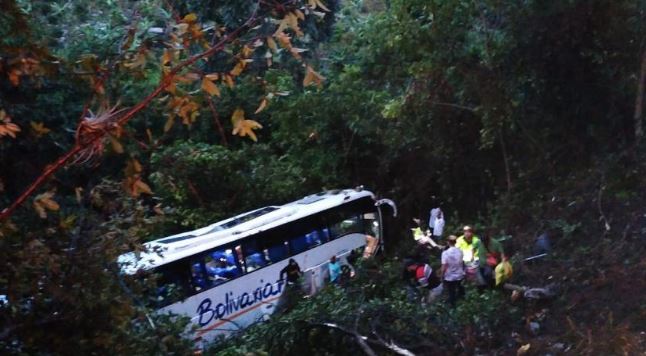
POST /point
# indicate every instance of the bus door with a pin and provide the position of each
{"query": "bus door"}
(387, 211)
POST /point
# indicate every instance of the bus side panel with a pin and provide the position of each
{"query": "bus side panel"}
(234, 305)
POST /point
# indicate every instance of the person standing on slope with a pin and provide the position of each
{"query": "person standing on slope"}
(453, 271)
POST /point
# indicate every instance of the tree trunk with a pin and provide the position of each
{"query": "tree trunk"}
(639, 101)
(505, 158)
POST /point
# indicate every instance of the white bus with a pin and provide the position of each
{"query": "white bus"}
(226, 276)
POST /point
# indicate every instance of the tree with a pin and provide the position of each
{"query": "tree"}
(93, 79)
(227, 53)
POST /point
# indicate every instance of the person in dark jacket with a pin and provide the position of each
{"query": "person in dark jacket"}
(292, 271)
(292, 293)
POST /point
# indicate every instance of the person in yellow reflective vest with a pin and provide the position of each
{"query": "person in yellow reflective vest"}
(467, 243)
(418, 234)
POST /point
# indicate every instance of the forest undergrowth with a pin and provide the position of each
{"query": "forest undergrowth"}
(596, 226)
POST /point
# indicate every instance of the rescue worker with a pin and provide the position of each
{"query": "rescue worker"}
(418, 234)
(490, 253)
(466, 243)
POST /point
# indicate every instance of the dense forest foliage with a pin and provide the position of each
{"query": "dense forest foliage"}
(123, 121)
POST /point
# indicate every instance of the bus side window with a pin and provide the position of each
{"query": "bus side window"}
(325, 234)
(345, 225)
(198, 277)
(313, 239)
(254, 258)
(309, 240)
(220, 266)
(298, 244)
(278, 251)
(172, 284)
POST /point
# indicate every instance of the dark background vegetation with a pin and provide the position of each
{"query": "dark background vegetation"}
(520, 116)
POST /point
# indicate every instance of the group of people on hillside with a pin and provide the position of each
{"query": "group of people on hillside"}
(469, 257)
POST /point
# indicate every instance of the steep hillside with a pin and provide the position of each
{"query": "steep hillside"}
(596, 225)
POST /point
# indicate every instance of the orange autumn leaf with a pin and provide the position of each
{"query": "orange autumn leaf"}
(317, 4)
(44, 202)
(263, 104)
(149, 135)
(7, 128)
(133, 183)
(14, 76)
(67, 223)
(190, 18)
(189, 112)
(132, 167)
(284, 40)
(170, 121)
(243, 127)
(312, 77)
(135, 186)
(186, 78)
(272, 44)
(117, 147)
(237, 70)
(292, 21)
(138, 62)
(39, 129)
(246, 51)
(210, 87)
(141, 187)
(171, 87)
(180, 29)
(7, 227)
(229, 80)
(167, 57)
(196, 31)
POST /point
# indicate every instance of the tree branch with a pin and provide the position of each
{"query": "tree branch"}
(505, 158)
(361, 340)
(165, 82)
(218, 124)
(364, 340)
(639, 100)
(461, 107)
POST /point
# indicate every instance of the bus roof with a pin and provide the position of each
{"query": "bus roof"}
(175, 247)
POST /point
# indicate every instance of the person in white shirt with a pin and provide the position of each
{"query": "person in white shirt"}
(433, 216)
(438, 227)
(453, 271)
